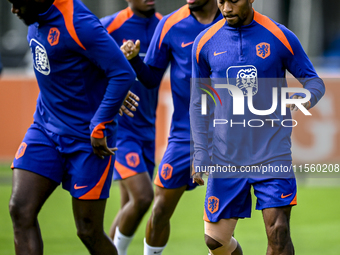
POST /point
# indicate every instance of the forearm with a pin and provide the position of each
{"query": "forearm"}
(149, 76)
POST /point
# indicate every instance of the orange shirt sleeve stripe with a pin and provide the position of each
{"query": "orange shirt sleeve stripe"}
(98, 130)
(157, 181)
(158, 15)
(120, 19)
(95, 192)
(124, 171)
(66, 9)
(273, 28)
(206, 37)
(181, 14)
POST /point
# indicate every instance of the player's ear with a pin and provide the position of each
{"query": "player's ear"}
(251, 1)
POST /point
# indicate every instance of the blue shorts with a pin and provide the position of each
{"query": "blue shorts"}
(231, 198)
(175, 168)
(134, 157)
(67, 161)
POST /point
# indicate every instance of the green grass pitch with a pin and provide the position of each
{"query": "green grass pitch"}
(315, 223)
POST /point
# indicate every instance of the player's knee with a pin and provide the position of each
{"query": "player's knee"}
(211, 243)
(160, 214)
(21, 214)
(278, 236)
(143, 202)
(85, 233)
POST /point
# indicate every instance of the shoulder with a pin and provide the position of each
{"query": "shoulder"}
(204, 37)
(285, 37)
(107, 20)
(115, 21)
(170, 20)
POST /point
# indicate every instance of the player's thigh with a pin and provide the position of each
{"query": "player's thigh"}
(139, 187)
(130, 158)
(124, 195)
(174, 170)
(88, 214)
(166, 200)
(276, 220)
(227, 198)
(29, 192)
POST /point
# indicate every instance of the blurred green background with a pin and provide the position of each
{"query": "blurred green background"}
(315, 223)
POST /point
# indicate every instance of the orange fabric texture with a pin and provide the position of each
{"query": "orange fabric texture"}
(181, 14)
(66, 9)
(157, 181)
(206, 37)
(158, 15)
(124, 171)
(98, 130)
(273, 28)
(120, 19)
(95, 192)
(205, 216)
(294, 201)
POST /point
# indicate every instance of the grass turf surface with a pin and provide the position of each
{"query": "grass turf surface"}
(315, 223)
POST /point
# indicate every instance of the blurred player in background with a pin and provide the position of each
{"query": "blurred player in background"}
(83, 79)
(247, 47)
(172, 43)
(135, 158)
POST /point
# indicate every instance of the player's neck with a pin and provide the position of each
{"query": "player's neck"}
(207, 14)
(146, 14)
(45, 5)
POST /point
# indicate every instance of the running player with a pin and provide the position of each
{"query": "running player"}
(83, 78)
(135, 159)
(244, 50)
(172, 43)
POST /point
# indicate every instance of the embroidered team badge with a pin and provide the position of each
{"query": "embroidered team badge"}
(213, 204)
(166, 171)
(132, 159)
(21, 150)
(263, 50)
(40, 58)
(243, 77)
(53, 36)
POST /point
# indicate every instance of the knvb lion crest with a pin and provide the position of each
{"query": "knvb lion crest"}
(21, 150)
(53, 36)
(213, 204)
(132, 159)
(246, 77)
(263, 50)
(166, 171)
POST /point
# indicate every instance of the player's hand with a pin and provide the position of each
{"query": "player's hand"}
(293, 107)
(100, 148)
(130, 49)
(129, 105)
(197, 177)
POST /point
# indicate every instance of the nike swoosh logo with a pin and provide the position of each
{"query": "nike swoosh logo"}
(219, 53)
(79, 187)
(157, 252)
(186, 44)
(282, 196)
